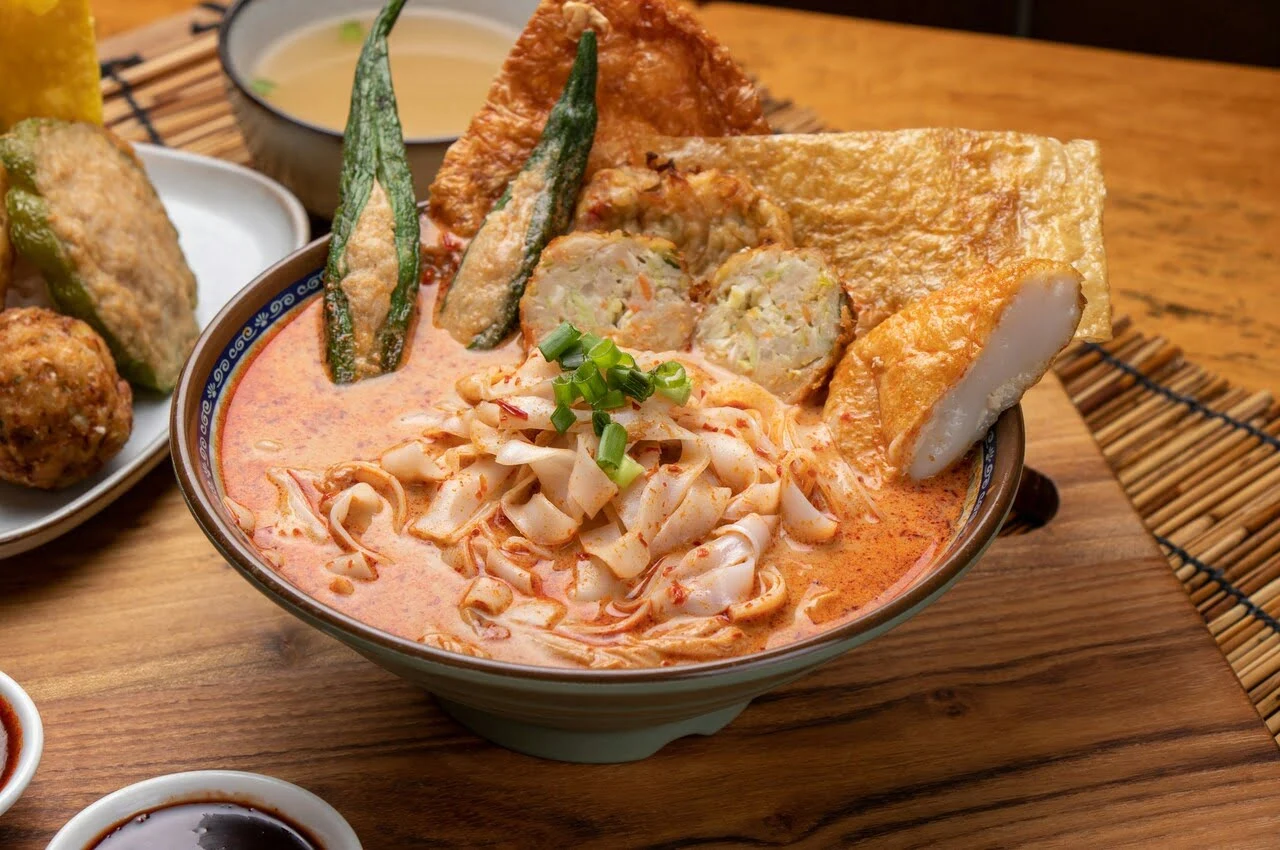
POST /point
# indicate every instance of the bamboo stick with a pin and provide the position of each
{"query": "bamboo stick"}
(198, 49)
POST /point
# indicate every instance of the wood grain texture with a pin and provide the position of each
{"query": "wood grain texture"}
(1063, 694)
(1189, 150)
(1065, 691)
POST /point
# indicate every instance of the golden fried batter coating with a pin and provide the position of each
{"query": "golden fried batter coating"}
(709, 215)
(64, 410)
(660, 72)
(900, 213)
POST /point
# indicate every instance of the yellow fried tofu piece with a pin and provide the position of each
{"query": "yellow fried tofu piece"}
(48, 62)
(900, 213)
(918, 390)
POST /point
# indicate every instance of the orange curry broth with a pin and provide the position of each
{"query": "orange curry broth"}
(284, 412)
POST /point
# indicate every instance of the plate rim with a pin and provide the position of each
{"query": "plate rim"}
(61, 520)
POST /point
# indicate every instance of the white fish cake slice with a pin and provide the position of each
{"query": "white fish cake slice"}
(632, 289)
(920, 389)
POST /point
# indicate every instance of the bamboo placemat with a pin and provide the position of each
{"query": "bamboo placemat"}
(1199, 459)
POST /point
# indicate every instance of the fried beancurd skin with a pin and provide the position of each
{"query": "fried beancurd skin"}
(777, 316)
(916, 392)
(64, 409)
(660, 72)
(631, 289)
(709, 215)
(83, 212)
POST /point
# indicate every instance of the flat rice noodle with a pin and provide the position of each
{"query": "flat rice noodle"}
(356, 565)
(693, 520)
(459, 499)
(413, 463)
(589, 488)
(734, 462)
(593, 581)
(295, 514)
(666, 488)
(487, 594)
(802, 520)
(625, 554)
(536, 517)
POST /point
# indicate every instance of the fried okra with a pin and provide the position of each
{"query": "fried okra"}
(709, 215)
(83, 212)
(777, 316)
(64, 410)
(632, 289)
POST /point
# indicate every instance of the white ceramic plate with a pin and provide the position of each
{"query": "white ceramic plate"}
(232, 223)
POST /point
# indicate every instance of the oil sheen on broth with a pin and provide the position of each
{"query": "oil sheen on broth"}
(284, 412)
(309, 73)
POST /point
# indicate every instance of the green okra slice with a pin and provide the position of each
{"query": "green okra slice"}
(481, 305)
(371, 277)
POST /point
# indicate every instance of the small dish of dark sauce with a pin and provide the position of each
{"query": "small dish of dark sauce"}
(10, 742)
(208, 825)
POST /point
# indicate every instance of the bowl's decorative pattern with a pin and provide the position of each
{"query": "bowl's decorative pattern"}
(231, 357)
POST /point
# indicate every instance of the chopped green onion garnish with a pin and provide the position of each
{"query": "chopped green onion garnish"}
(262, 86)
(588, 381)
(627, 360)
(613, 447)
(604, 354)
(574, 357)
(565, 391)
(559, 341)
(563, 418)
(626, 473)
(599, 421)
(612, 400)
(672, 381)
(589, 341)
(631, 381)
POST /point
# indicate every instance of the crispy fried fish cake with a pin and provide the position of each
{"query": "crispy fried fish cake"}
(84, 213)
(660, 72)
(777, 316)
(709, 215)
(64, 410)
(632, 289)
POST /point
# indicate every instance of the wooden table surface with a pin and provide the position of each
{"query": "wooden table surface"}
(1065, 693)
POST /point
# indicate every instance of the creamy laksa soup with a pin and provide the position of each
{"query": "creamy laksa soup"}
(607, 410)
(442, 63)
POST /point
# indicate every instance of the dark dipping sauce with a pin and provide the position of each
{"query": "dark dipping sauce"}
(217, 825)
(10, 742)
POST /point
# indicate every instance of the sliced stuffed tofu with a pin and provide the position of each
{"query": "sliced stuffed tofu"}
(777, 316)
(82, 211)
(632, 289)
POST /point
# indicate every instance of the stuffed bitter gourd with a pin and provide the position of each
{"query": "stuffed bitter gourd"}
(371, 277)
(481, 305)
(82, 211)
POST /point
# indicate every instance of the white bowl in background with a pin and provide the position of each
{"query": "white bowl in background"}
(274, 796)
(307, 157)
(30, 746)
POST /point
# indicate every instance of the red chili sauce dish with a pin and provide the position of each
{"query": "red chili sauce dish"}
(10, 742)
(206, 825)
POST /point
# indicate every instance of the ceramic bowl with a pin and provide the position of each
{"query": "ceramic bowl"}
(574, 715)
(304, 156)
(265, 793)
(30, 746)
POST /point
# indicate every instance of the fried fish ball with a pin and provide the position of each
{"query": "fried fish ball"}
(777, 316)
(632, 289)
(709, 215)
(83, 212)
(64, 410)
